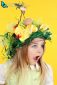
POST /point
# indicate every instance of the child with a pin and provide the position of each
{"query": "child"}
(28, 46)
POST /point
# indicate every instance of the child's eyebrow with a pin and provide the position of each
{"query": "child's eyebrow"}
(34, 43)
(37, 42)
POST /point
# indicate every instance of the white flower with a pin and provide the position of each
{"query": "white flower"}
(23, 9)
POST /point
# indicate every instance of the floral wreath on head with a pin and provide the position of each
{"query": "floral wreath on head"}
(23, 33)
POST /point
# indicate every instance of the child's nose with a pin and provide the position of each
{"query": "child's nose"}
(39, 50)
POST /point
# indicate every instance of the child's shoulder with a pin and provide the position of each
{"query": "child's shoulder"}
(49, 68)
(3, 71)
(49, 75)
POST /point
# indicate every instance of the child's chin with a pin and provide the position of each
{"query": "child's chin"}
(33, 63)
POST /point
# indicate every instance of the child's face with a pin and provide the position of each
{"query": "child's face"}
(35, 50)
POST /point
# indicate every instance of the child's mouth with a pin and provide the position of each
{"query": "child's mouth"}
(36, 58)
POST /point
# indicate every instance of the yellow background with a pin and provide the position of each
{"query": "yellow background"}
(43, 10)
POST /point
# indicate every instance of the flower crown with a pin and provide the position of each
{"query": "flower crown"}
(23, 33)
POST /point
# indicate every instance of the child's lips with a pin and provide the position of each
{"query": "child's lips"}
(36, 58)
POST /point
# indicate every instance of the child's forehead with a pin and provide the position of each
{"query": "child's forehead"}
(38, 40)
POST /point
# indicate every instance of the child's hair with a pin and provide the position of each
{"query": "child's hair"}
(20, 60)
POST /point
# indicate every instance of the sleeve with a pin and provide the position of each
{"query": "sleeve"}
(3, 71)
(2, 74)
(49, 76)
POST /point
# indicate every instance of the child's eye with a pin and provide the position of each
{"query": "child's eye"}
(34, 45)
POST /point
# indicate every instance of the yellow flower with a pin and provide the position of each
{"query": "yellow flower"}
(33, 28)
(3, 58)
(18, 30)
(25, 32)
